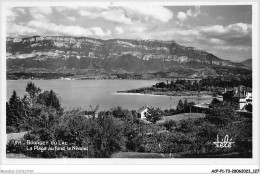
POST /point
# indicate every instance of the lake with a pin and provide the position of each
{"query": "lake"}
(83, 93)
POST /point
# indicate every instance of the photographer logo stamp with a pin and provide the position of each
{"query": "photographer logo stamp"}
(225, 143)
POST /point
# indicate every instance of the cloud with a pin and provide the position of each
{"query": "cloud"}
(115, 15)
(182, 16)
(197, 12)
(51, 28)
(119, 30)
(21, 10)
(238, 34)
(128, 14)
(158, 13)
(71, 18)
(233, 34)
(233, 42)
(40, 13)
(15, 30)
(99, 32)
(46, 28)
(216, 41)
(41, 10)
(64, 8)
(10, 14)
(137, 29)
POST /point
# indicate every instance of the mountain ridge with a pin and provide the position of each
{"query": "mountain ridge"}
(140, 56)
(247, 63)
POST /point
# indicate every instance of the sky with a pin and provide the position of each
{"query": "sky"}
(225, 31)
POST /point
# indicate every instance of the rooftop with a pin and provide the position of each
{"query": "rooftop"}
(142, 109)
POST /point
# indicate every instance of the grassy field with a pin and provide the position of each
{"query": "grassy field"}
(15, 136)
(148, 155)
(183, 116)
(16, 155)
(136, 155)
(186, 154)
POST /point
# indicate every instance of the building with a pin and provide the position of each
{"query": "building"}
(137, 76)
(228, 96)
(89, 114)
(240, 96)
(141, 112)
(125, 76)
(202, 105)
(201, 108)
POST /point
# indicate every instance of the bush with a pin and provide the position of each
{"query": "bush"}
(10, 129)
(215, 101)
(185, 126)
(170, 125)
(249, 107)
(153, 115)
(221, 115)
(13, 147)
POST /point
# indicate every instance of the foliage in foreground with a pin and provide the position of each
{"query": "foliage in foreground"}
(119, 130)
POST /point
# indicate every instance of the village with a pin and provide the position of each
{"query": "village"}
(240, 97)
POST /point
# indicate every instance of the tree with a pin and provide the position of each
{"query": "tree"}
(187, 106)
(111, 137)
(185, 126)
(15, 113)
(205, 134)
(32, 90)
(185, 102)
(49, 99)
(170, 125)
(249, 107)
(221, 115)
(43, 117)
(180, 107)
(153, 115)
(119, 112)
(103, 135)
(215, 101)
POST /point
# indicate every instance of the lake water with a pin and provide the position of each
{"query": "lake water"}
(83, 93)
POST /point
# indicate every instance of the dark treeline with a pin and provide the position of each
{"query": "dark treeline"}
(227, 81)
(206, 84)
(228, 71)
(120, 130)
(34, 108)
(215, 85)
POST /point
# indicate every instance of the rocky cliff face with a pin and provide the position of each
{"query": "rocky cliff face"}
(82, 52)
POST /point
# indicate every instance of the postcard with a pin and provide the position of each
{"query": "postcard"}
(130, 83)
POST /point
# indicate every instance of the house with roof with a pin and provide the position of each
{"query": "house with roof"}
(240, 96)
(141, 112)
(243, 96)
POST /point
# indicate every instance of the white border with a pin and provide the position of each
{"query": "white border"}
(179, 162)
(149, 169)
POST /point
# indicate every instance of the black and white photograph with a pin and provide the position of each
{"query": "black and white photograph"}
(128, 81)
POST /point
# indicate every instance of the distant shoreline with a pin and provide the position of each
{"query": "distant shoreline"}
(154, 95)
(84, 79)
(203, 94)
